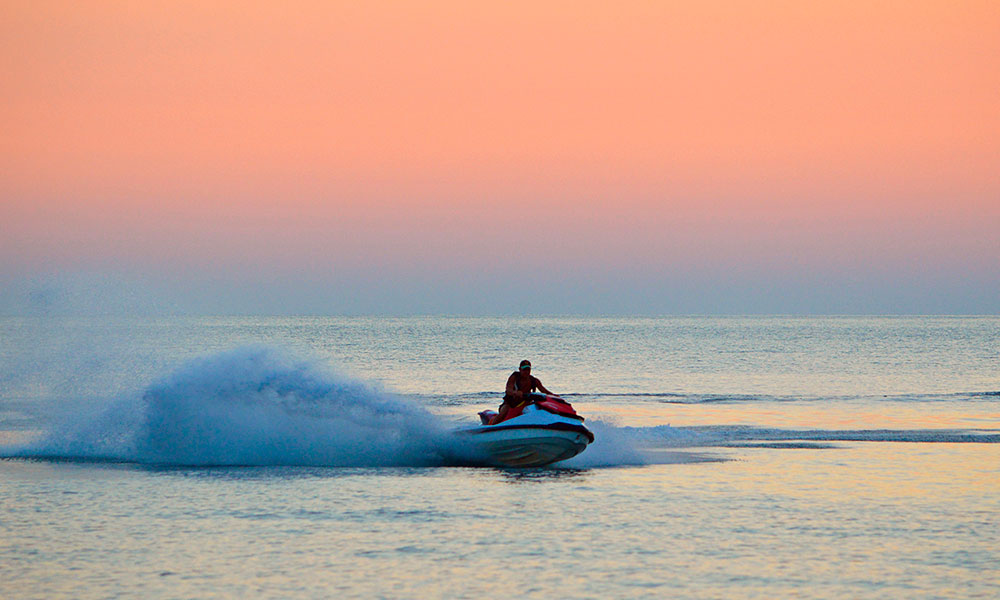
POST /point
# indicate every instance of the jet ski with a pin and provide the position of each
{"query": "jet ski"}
(541, 431)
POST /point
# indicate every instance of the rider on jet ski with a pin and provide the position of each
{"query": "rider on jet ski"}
(519, 384)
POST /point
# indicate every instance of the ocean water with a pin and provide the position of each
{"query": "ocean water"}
(736, 457)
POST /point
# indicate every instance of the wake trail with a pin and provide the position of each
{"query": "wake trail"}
(254, 406)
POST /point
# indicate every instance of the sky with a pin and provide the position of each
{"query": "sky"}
(702, 157)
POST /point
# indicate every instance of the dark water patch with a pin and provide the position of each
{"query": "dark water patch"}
(721, 435)
(544, 475)
(780, 445)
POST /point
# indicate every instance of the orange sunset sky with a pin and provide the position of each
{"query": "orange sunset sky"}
(508, 157)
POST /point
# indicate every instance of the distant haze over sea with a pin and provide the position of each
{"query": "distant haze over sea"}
(535, 293)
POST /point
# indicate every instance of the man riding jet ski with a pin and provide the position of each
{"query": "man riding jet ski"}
(519, 385)
(531, 430)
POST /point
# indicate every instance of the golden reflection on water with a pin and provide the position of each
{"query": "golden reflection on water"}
(797, 415)
(869, 470)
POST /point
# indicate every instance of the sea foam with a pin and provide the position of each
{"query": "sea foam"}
(255, 406)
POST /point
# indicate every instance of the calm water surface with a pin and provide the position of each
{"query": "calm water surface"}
(308, 457)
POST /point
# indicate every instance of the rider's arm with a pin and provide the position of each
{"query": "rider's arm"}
(542, 388)
(510, 391)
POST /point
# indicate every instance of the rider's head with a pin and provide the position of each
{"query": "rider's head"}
(525, 366)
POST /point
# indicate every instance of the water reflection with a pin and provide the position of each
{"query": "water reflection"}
(521, 476)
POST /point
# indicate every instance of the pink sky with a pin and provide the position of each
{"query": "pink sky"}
(402, 148)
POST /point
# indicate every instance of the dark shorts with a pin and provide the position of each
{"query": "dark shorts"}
(511, 401)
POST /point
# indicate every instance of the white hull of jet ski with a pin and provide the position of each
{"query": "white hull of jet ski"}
(531, 447)
(533, 439)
